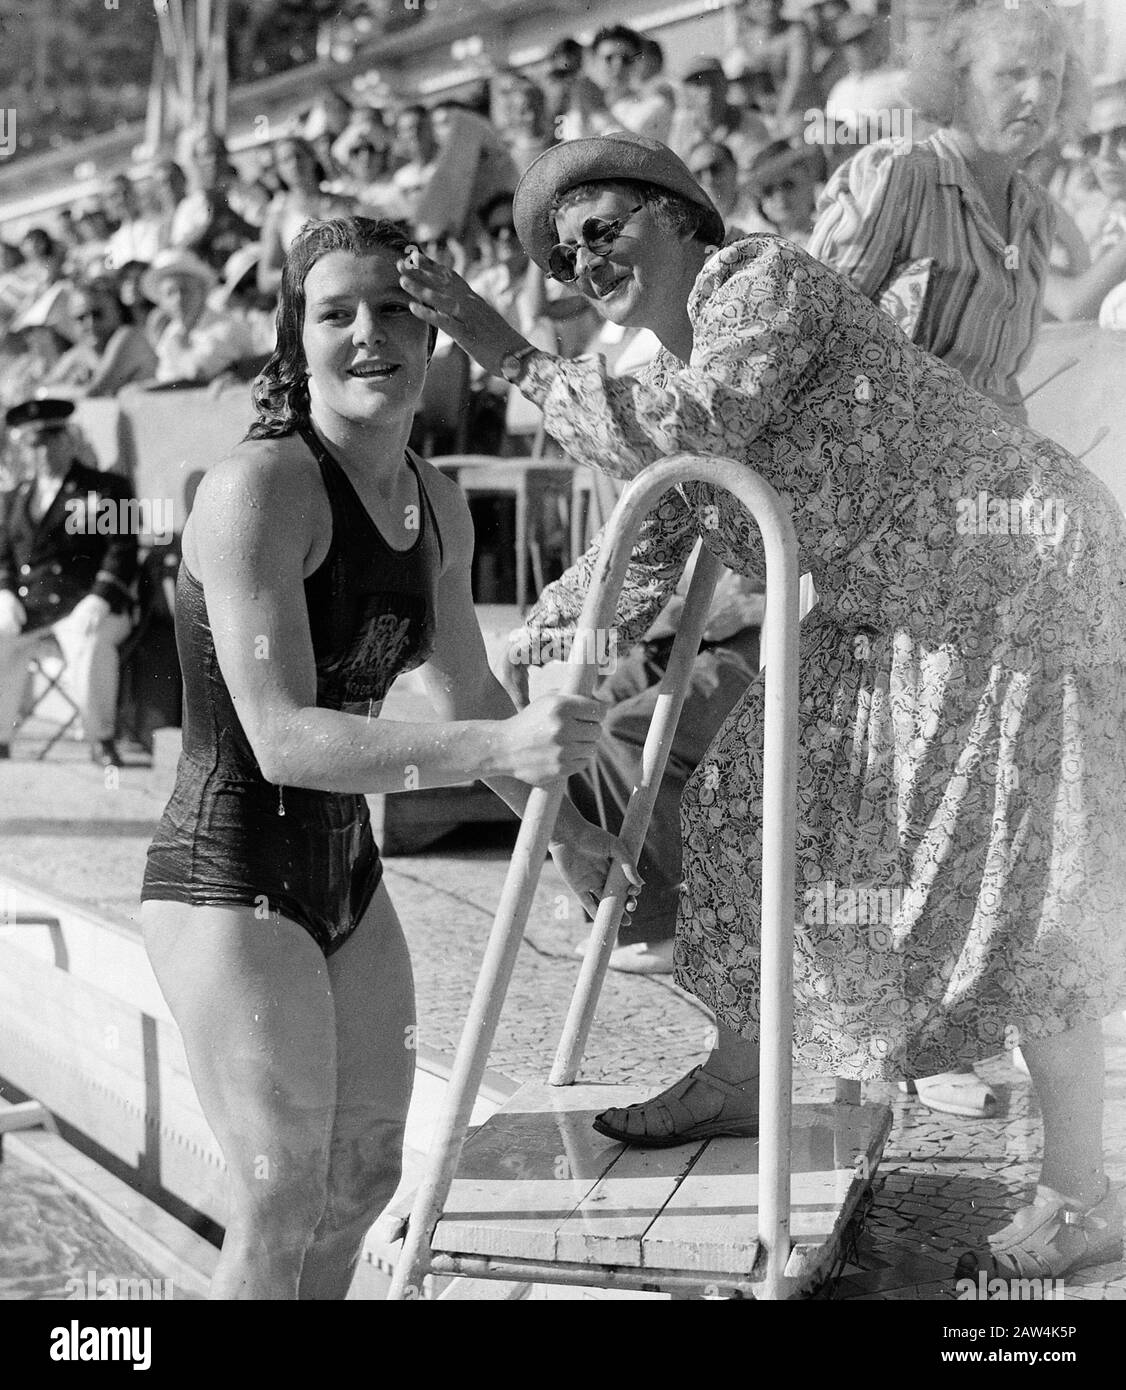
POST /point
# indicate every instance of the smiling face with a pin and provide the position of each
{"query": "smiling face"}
(364, 349)
(1012, 91)
(629, 284)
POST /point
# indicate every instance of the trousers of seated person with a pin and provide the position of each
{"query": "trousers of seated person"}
(91, 677)
(720, 676)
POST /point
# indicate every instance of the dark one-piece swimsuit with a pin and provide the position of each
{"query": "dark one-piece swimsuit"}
(228, 837)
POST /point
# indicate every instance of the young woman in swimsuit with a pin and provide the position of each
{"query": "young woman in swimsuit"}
(321, 560)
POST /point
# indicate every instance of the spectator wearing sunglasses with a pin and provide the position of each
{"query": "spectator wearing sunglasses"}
(706, 114)
(1081, 296)
(962, 724)
(110, 352)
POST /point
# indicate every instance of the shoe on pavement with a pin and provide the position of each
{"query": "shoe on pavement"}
(639, 958)
(961, 1093)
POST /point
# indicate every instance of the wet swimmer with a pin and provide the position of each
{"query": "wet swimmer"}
(323, 559)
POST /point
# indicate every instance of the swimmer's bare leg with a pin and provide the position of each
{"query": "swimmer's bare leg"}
(373, 994)
(253, 1002)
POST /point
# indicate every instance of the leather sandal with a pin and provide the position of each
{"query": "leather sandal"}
(678, 1123)
(1053, 1236)
(961, 1093)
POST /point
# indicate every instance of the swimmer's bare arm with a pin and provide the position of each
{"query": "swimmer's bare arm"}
(253, 531)
(461, 686)
(457, 676)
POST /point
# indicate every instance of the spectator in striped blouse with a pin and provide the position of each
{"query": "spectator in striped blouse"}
(997, 82)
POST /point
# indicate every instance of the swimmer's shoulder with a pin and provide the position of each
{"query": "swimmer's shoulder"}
(262, 483)
(451, 511)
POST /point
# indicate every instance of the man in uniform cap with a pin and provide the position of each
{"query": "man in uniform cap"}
(68, 554)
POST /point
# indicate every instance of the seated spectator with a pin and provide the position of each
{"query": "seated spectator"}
(304, 200)
(754, 91)
(416, 146)
(823, 19)
(139, 235)
(650, 75)
(56, 577)
(93, 231)
(40, 336)
(576, 106)
(783, 184)
(197, 343)
(328, 120)
(167, 187)
(706, 114)
(364, 152)
(867, 103)
(713, 167)
(139, 309)
(767, 43)
(204, 222)
(615, 54)
(109, 353)
(1080, 296)
(471, 168)
(365, 123)
(42, 266)
(520, 117)
(240, 297)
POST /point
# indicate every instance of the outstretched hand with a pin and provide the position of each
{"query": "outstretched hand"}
(439, 296)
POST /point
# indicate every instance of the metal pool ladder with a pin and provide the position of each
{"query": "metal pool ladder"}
(536, 1194)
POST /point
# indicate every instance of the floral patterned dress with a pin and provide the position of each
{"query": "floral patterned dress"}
(961, 861)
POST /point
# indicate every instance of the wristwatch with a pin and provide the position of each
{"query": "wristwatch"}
(513, 365)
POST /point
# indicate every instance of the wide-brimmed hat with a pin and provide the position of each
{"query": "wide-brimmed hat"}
(175, 262)
(620, 154)
(780, 158)
(238, 266)
(1108, 109)
(51, 309)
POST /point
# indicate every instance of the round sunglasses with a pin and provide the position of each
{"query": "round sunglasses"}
(598, 236)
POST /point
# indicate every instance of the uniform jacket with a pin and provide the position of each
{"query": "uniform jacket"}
(49, 565)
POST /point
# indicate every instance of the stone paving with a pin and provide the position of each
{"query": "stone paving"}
(942, 1179)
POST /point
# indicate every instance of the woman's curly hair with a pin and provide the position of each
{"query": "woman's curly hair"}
(281, 389)
(934, 82)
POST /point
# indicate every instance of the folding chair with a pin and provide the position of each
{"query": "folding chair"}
(46, 668)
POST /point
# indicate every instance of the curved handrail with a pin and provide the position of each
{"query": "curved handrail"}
(779, 827)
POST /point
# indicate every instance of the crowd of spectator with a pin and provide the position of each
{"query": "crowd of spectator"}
(170, 276)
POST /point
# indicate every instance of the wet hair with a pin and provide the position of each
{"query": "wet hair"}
(281, 390)
(677, 214)
(937, 72)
